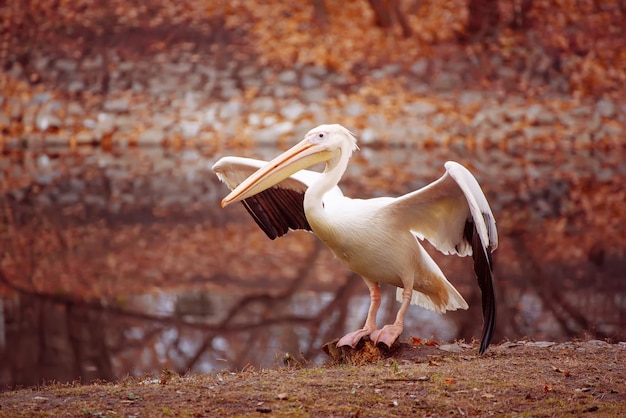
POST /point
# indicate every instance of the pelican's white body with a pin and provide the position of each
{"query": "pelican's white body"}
(377, 238)
(383, 255)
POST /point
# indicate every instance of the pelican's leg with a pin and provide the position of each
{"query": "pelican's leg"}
(390, 333)
(353, 338)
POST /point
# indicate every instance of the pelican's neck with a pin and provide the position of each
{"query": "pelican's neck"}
(313, 198)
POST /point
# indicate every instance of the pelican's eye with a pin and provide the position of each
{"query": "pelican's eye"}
(319, 137)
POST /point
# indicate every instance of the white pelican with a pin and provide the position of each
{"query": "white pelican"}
(375, 238)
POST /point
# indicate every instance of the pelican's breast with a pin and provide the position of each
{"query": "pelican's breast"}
(363, 239)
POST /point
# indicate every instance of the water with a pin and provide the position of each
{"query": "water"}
(124, 263)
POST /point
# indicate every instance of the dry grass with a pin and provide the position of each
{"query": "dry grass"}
(520, 379)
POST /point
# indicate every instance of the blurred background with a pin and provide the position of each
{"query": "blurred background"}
(116, 258)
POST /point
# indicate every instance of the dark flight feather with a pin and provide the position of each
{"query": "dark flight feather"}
(277, 210)
(483, 267)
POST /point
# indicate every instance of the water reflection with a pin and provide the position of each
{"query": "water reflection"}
(118, 264)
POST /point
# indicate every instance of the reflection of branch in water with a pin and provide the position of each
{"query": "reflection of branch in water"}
(551, 298)
(99, 305)
(268, 299)
(137, 344)
(338, 305)
(84, 353)
(269, 303)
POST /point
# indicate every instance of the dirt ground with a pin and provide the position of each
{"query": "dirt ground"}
(523, 378)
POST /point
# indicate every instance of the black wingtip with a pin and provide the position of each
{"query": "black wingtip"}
(277, 210)
(258, 213)
(483, 267)
(489, 313)
(484, 273)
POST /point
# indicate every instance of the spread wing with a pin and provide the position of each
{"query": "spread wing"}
(278, 209)
(453, 214)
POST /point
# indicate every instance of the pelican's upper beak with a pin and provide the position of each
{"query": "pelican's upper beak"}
(302, 155)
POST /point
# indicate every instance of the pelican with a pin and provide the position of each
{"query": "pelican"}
(378, 238)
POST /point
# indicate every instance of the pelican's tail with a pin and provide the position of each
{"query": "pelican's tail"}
(435, 291)
(455, 300)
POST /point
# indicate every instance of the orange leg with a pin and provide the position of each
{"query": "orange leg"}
(353, 338)
(390, 333)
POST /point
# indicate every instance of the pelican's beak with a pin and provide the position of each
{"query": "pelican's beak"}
(302, 155)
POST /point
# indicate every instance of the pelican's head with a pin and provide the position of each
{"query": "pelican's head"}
(333, 137)
(325, 143)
